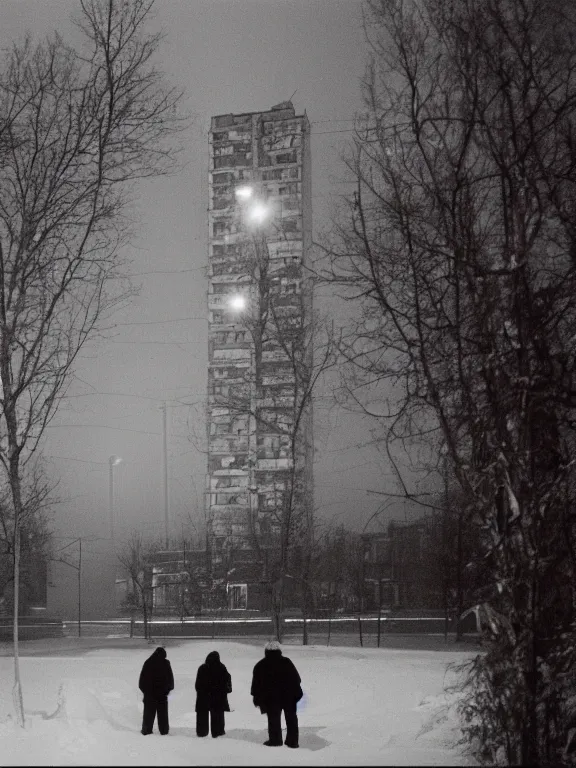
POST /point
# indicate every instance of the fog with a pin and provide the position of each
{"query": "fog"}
(229, 56)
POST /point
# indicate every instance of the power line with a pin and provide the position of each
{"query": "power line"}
(334, 120)
(159, 322)
(82, 461)
(133, 341)
(340, 130)
(165, 271)
(142, 397)
(101, 426)
(115, 394)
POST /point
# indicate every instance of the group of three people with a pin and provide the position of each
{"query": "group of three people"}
(276, 688)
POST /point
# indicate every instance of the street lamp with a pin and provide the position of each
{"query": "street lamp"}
(257, 213)
(237, 302)
(113, 461)
(244, 193)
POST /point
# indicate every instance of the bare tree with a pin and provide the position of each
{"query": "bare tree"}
(77, 129)
(459, 248)
(36, 543)
(135, 557)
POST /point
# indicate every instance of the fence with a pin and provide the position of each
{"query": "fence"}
(362, 626)
(31, 628)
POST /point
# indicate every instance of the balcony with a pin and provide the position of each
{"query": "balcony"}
(278, 380)
(228, 510)
(273, 464)
(282, 401)
(234, 472)
(227, 445)
(233, 161)
(230, 120)
(231, 353)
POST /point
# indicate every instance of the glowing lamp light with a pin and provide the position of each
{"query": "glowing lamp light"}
(237, 302)
(244, 193)
(258, 213)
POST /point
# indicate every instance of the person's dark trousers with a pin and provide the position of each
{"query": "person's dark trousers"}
(216, 722)
(291, 718)
(202, 723)
(275, 725)
(155, 707)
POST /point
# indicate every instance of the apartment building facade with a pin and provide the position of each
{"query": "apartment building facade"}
(259, 305)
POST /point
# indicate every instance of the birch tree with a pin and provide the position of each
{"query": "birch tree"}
(78, 128)
(459, 249)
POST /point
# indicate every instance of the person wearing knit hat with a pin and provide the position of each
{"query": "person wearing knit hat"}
(276, 689)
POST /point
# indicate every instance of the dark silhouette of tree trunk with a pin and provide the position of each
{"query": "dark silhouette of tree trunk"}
(459, 249)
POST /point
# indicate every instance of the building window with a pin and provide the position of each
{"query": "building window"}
(288, 189)
(286, 157)
(237, 596)
(222, 178)
(291, 225)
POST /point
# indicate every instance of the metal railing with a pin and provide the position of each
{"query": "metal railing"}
(363, 626)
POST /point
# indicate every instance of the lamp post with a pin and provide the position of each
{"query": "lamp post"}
(163, 408)
(112, 462)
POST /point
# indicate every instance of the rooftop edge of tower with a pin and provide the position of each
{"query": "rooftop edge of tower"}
(282, 111)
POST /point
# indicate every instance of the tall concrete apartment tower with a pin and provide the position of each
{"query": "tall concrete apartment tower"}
(259, 305)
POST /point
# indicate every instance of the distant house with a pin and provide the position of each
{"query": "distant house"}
(399, 569)
(381, 588)
(187, 582)
(179, 580)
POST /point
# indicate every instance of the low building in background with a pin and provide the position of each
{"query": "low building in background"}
(187, 582)
(401, 568)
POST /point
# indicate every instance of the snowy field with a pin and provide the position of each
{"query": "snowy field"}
(361, 707)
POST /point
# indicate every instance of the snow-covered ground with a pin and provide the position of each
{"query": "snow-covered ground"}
(361, 706)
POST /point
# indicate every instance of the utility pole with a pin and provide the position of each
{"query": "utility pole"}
(112, 462)
(165, 467)
(78, 569)
(111, 495)
(80, 587)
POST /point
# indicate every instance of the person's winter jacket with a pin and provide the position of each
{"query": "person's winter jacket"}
(213, 684)
(156, 678)
(275, 682)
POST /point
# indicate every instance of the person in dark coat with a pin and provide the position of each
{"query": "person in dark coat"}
(276, 689)
(213, 684)
(156, 682)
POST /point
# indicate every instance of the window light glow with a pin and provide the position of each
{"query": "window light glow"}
(237, 302)
(258, 213)
(244, 193)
